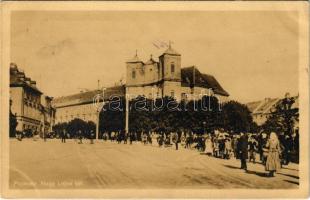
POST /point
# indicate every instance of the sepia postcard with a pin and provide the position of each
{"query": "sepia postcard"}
(154, 99)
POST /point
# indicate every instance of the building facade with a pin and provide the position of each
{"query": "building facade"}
(166, 77)
(82, 105)
(27, 101)
(48, 114)
(261, 110)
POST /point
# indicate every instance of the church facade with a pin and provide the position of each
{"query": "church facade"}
(166, 77)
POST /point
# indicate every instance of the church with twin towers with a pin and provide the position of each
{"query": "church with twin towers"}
(167, 77)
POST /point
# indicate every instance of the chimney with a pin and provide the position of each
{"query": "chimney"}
(33, 83)
(13, 65)
(28, 80)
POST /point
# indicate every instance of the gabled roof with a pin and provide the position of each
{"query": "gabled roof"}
(263, 106)
(200, 80)
(253, 105)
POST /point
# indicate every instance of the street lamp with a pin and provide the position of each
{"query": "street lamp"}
(204, 127)
(99, 108)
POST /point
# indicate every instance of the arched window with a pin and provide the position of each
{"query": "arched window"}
(172, 68)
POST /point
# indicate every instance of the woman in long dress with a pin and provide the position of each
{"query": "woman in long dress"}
(209, 146)
(273, 159)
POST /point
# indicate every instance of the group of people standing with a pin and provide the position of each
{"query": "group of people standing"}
(272, 151)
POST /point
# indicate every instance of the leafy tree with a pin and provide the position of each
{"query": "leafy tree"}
(282, 117)
(112, 116)
(60, 127)
(236, 117)
(74, 126)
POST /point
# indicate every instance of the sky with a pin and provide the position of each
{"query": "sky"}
(252, 54)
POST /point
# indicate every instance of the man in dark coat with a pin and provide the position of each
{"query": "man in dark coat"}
(63, 135)
(243, 150)
(175, 139)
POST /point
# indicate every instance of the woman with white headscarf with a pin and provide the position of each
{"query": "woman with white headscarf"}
(273, 159)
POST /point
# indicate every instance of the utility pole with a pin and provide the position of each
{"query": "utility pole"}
(99, 108)
(127, 115)
(97, 125)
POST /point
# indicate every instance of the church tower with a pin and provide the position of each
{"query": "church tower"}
(170, 71)
(134, 71)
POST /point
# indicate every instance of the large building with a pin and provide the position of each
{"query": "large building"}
(33, 110)
(260, 110)
(81, 105)
(48, 114)
(166, 77)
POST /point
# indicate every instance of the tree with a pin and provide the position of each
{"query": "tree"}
(112, 116)
(74, 126)
(236, 117)
(282, 117)
(60, 127)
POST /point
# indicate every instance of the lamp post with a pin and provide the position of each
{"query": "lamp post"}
(204, 127)
(99, 108)
(127, 115)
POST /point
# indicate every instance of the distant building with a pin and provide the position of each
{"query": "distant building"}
(260, 110)
(26, 100)
(166, 78)
(81, 105)
(48, 114)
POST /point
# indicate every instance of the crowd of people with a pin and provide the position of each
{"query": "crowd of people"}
(273, 150)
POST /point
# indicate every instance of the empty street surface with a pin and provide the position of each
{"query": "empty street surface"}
(52, 164)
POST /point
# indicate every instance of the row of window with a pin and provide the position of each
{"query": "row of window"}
(30, 97)
(32, 104)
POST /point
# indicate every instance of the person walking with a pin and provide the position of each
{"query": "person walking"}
(131, 137)
(273, 159)
(234, 145)
(80, 135)
(175, 139)
(92, 136)
(63, 136)
(252, 149)
(243, 150)
(216, 148)
(209, 146)
(228, 148)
